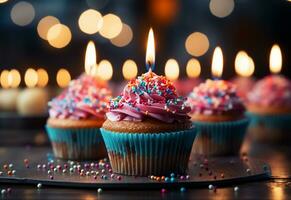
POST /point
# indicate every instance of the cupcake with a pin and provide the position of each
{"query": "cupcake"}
(148, 131)
(75, 118)
(269, 107)
(218, 114)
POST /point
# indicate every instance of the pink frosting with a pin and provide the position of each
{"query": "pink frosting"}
(149, 96)
(85, 98)
(273, 90)
(215, 97)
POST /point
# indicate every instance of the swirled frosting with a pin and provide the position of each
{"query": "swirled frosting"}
(273, 90)
(85, 98)
(215, 97)
(149, 96)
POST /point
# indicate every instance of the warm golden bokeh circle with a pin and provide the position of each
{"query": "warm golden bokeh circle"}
(90, 21)
(59, 36)
(45, 24)
(197, 44)
(112, 26)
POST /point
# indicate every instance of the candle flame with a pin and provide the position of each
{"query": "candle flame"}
(30, 78)
(14, 78)
(90, 59)
(244, 65)
(105, 70)
(129, 69)
(275, 59)
(150, 52)
(217, 63)
(193, 68)
(172, 69)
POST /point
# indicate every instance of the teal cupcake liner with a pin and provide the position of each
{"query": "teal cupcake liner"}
(219, 138)
(271, 121)
(144, 154)
(270, 127)
(77, 144)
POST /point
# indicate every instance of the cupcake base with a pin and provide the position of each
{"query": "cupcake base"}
(220, 138)
(144, 154)
(77, 144)
(270, 128)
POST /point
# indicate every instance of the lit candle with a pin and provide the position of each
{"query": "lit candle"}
(102, 71)
(275, 61)
(33, 99)
(10, 81)
(90, 60)
(150, 52)
(217, 63)
(244, 67)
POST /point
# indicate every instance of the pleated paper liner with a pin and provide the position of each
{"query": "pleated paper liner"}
(144, 154)
(220, 138)
(270, 128)
(77, 144)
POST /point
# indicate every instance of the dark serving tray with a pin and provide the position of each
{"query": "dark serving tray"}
(201, 173)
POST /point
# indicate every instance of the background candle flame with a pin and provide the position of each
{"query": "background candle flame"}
(90, 59)
(244, 65)
(150, 52)
(217, 63)
(30, 78)
(193, 68)
(172, 69)
(129, 69)
(275, 59)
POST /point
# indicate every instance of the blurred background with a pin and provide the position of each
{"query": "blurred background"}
(43, 44)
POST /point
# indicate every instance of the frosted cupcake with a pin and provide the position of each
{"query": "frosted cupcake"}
(76, 116)
(269, 106)
(218, 114)
(148, 131)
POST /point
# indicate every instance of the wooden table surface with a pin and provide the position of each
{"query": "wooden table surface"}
(279, 187)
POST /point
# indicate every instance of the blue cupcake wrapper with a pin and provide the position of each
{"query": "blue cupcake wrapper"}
(144, 154)
(271, 128)
(219, 138)
(270, 121)
(77, 144)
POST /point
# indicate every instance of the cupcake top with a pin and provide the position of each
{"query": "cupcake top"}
(149, 96)
(215, 97)
(85, 98)
(272, 91)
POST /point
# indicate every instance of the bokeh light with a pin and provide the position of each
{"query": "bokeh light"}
(22, 13)
(112, 26)
(221, 8)
(30, 77)
(4, 79)
(59, 36)
(129, 69)
(217, 63)
(63, 78)
(43, 77)
(14, 78)
(3, 1)
(105, 70)
(45, 24)
(124, 37)
(90, 21)
(172, 69)
(275, 59)
(164, 11)
(193, 68)
(244, 65)
(197, 44)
